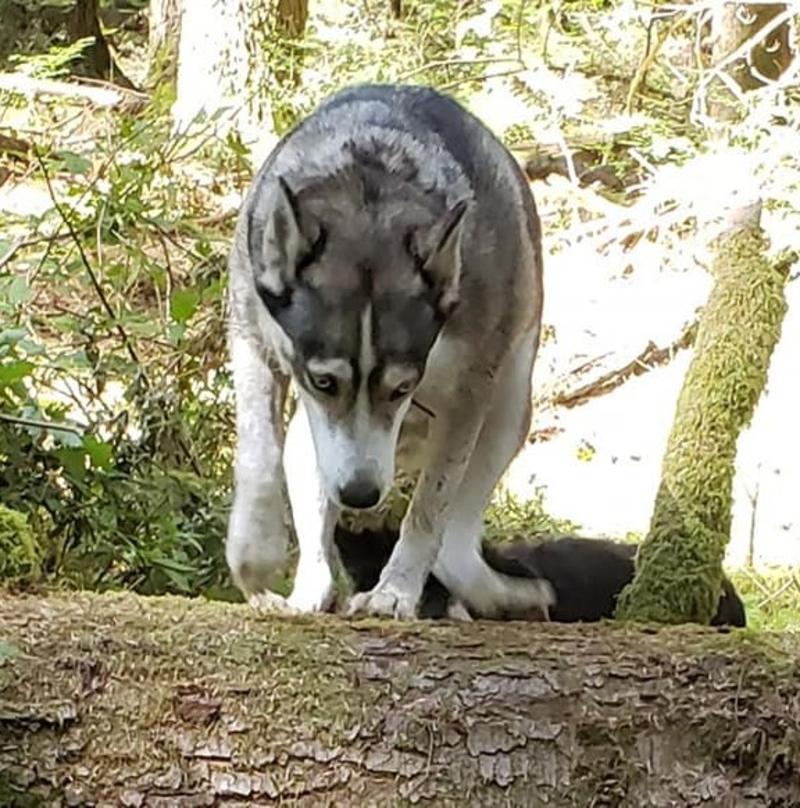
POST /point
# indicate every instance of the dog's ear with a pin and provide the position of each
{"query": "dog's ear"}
(441, 257)
(278, 245)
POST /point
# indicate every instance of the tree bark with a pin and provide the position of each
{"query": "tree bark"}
(291, 17)
(96, 60)
(238, 64)
(119, 700)
(734, 24)
(679, 564)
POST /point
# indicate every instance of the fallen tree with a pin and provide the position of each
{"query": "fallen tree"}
(129, 701)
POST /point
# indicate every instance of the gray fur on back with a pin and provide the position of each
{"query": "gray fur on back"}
(352, 146)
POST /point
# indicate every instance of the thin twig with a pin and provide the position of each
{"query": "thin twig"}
(502, 74)
(34, 422)
(649, 59)
(123, 335)
(455, 63)
(24, 243)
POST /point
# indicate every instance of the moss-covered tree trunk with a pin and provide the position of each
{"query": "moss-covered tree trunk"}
(679, 565)
(119, 700)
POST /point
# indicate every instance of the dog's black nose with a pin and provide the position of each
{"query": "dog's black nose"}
(359, 493)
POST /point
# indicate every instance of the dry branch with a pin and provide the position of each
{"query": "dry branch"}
(589, 162)
(117, 700)
(651, 357)
(98, 95)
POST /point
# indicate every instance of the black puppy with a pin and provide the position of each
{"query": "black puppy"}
(586, 575)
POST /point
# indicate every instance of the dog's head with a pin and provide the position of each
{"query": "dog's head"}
(361, 278)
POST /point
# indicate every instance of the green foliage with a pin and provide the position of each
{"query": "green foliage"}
(56, 62)
(113, 389)
(771, 597)
(20, 553)
(509, 517)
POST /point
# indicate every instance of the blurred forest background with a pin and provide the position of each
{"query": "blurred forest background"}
(128, 132)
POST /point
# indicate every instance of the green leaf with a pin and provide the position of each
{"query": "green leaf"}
(100, 453)
(74, 163)
(11, 372)
(183, 304)
(11, 336)
(74, 462)
(8, 651)
(18, 291)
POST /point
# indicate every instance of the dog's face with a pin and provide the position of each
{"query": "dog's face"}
(362, 298)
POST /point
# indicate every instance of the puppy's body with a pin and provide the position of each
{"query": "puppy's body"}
(586, 575)
(389, 251)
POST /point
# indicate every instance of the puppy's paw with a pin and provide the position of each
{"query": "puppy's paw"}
(513, 598)
(384, 601)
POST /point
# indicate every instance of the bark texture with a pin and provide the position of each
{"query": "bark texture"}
(736, 23)
(119, 700)
(679, 564)
(96, 60)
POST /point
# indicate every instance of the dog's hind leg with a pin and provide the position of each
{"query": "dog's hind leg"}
(315, 518)
(257, 542)
(460, 564)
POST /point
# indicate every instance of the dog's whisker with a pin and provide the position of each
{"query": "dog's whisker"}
(429, 412)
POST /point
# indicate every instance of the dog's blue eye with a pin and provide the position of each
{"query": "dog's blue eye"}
(325, 383)
(401, 391)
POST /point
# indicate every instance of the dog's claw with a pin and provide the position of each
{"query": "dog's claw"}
(301, 603)
(458, 611)
(383, 602)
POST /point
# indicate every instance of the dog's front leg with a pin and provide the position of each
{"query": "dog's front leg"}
(257, 543)
(399, 589)
(314, 517)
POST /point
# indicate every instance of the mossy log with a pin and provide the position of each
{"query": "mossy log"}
(120, 700)
(679, 564)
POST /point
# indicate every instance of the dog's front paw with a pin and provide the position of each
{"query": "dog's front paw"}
(314, 588)
(308, 599)
(271, 603)
(384, 601)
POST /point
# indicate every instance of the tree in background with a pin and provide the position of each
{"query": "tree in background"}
(95, 60)
(679, 564)
(235, 62)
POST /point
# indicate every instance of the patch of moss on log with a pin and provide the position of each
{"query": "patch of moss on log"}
(679, 564)
(20, 552)
(115, 699)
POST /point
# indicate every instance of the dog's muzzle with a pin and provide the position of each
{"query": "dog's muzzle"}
(361, 492)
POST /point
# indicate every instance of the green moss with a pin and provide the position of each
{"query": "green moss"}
(20, 552)
(679, 564)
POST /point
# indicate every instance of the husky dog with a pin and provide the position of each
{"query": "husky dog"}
(586, 575)
(388, 260)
